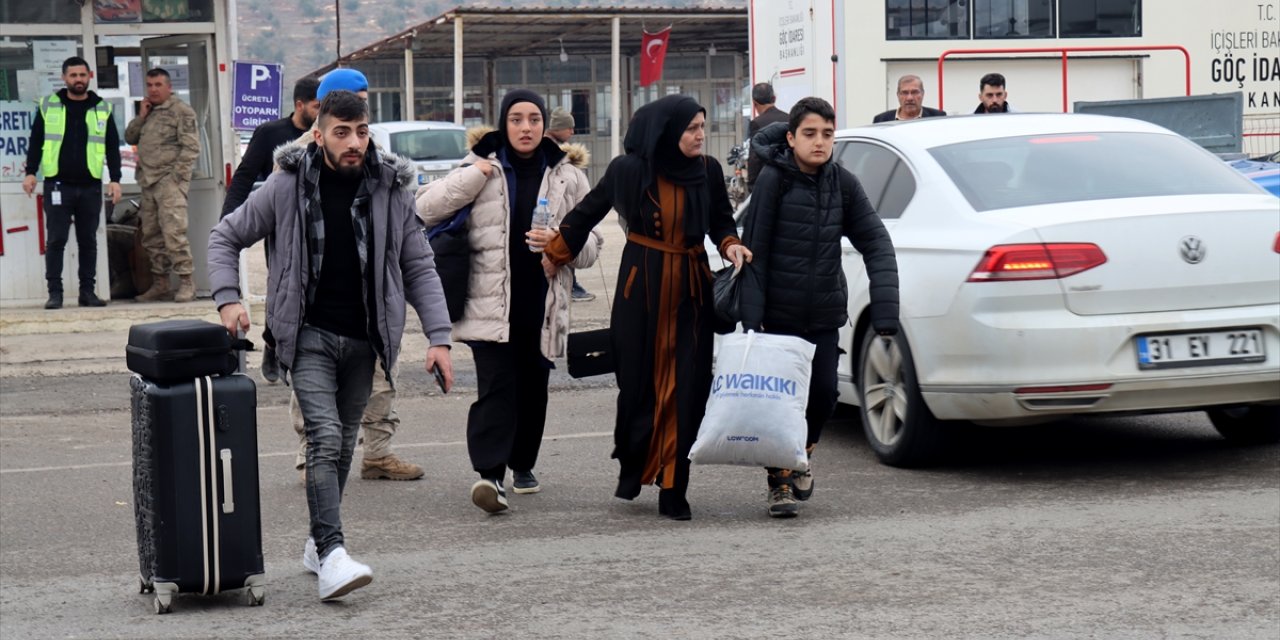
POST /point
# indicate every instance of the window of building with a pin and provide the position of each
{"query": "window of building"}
(1012, 19)
(926, 19)
(1101, 18)
(172, 11)
(18, 11)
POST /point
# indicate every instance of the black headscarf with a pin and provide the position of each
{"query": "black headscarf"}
(497, 139)
(653, 137)
(654, 134)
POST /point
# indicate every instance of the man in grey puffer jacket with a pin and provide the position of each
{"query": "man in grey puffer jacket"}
(348, 253)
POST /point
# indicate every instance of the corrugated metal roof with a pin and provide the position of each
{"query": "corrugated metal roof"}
(534, 31)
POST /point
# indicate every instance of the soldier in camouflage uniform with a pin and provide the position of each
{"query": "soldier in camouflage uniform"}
(168, 144)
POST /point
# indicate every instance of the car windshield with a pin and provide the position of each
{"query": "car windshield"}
(1044, 169)
(430, 144)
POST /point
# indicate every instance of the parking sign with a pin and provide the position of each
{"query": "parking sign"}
(257, 94)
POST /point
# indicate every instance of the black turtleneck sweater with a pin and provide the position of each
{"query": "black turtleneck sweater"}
(528, 284)
(339, 305)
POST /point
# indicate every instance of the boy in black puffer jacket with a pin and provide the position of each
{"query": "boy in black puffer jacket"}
(801, 206)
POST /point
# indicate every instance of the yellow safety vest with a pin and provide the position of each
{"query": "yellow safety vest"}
(55, 127)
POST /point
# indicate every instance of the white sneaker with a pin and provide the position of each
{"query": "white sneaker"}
(489, 495)
(340, 575)
(310, 561)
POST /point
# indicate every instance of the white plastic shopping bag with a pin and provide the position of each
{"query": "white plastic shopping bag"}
(755, 416)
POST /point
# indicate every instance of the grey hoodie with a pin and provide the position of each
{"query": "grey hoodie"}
(404, 267)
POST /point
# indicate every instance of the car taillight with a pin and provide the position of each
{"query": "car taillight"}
(1036, 261)
(1276, 246)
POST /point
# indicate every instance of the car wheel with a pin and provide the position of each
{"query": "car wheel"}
(1248, 424)
(899, 426)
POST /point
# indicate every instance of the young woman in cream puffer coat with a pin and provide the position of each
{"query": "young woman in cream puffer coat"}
(515, 319)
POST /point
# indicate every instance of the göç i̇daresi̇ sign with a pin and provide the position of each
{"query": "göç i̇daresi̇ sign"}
(257, 94)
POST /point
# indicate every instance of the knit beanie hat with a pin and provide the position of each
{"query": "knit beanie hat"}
(342, 80)
(520, 95)
(560, 119)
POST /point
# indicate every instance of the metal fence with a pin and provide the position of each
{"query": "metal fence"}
(1261, 135)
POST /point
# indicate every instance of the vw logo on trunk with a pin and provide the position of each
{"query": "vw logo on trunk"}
(1192, 249)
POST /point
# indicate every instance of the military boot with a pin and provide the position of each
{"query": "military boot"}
(186, 289)
(159, 289)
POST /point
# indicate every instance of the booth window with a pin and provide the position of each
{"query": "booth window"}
(1012, 19)
(1101, 18)
(926, 19)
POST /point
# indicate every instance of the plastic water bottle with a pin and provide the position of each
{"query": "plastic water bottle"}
(541, 219)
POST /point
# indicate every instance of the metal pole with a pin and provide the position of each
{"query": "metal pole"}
(408, 80)
(457, 70)
(615, 81)
(337, 27)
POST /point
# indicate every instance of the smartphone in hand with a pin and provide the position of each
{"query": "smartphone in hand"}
(435, 371)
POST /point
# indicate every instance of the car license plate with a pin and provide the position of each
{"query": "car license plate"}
(1200, 348)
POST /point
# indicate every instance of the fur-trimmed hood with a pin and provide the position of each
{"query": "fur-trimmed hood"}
(577, 154)
(288, 157)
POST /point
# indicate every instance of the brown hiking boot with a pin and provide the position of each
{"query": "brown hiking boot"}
(186, 289)
(159, 289)
(389, 467)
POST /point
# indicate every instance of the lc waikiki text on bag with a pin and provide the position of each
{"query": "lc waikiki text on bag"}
(759, 390)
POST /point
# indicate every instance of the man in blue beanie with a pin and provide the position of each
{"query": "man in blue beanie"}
(343, 80)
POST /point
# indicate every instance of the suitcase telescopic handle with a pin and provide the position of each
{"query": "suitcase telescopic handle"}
(228, 497)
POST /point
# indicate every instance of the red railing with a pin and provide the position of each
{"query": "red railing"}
(1064, 51)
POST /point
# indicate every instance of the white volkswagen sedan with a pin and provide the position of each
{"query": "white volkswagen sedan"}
(1055, 265)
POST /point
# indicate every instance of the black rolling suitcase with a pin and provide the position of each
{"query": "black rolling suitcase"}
(195, 464)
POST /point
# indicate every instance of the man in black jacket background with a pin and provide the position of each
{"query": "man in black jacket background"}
(802, 206)
(257, 162)
(762, 99)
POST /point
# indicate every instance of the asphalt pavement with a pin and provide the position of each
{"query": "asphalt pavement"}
(1133, 527)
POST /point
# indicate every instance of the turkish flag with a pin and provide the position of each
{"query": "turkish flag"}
(653, 53)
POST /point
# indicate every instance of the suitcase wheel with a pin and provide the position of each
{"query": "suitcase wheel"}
(164, 603)
(256, 596)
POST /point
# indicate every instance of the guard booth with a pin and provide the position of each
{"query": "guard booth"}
(120, 39)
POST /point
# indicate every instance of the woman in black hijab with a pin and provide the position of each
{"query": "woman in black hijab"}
(671, 197)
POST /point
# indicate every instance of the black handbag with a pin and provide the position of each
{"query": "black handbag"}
(726, 292)
(590, 353)
(452, 250)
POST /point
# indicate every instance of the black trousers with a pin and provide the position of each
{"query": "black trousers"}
(81, 205)
(505, 424)
(822, 382)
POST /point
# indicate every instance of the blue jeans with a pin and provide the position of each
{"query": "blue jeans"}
(332, 376)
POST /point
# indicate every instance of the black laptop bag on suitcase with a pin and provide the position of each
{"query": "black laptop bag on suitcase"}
(195, 463)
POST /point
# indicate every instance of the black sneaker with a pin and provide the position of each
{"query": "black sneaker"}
(524, 482)
(489, 495)
(54, 301)
(270, 364)
(88, 299)
(802, 483)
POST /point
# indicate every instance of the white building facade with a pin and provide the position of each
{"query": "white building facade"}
(855, 50)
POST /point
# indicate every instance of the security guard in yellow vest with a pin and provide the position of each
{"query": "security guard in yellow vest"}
(168, 145)
(72, 136)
